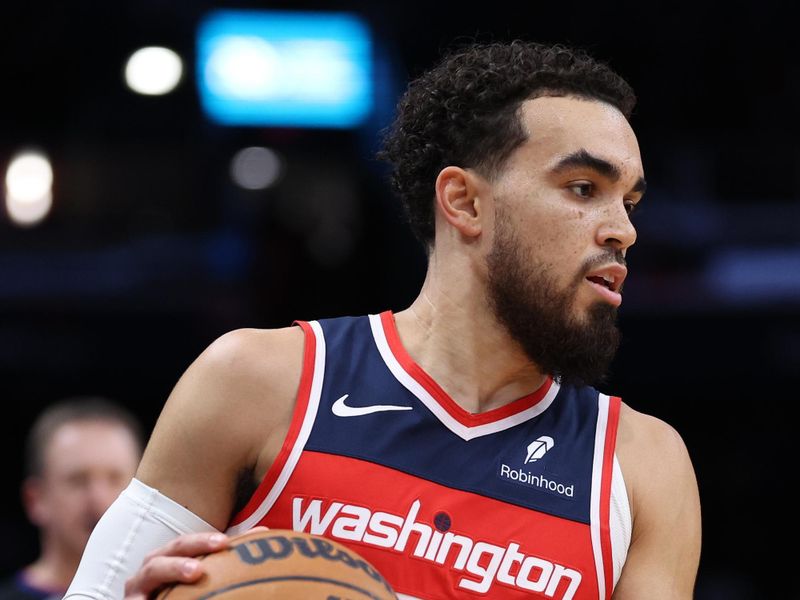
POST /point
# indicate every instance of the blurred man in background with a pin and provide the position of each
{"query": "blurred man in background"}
(80, 454)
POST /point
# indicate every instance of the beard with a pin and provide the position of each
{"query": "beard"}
(537, 313)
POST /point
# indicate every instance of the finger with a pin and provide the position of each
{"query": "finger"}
(173, 563)
(193, 544)
(160, 571)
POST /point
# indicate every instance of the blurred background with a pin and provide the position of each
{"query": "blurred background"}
(150, 204)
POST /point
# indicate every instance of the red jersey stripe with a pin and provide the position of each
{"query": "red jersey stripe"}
(303, 393)
(605, 492)
(443, 398)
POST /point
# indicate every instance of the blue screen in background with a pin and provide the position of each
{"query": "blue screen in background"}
(285, 69)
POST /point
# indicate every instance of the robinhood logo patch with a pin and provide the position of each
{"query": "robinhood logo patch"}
(535, 452)
(538, 447)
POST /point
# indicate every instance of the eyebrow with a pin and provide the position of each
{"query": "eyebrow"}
(583, 159)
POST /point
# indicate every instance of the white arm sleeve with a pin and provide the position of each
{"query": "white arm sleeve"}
(140, 520)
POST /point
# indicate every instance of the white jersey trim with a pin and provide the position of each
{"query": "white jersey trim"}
(463, 431)
(620, 520)
(597, 478)
(299, 443)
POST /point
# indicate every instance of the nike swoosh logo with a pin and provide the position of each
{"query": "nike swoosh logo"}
(340, 409)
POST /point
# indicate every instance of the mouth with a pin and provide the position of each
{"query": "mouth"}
(607, 282)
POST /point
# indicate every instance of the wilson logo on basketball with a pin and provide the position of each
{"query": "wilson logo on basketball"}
(257, 551)
(483, 563)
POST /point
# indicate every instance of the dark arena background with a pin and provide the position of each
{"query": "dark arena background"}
(164, 228)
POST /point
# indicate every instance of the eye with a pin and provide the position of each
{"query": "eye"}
(584, 189)
(631, 206)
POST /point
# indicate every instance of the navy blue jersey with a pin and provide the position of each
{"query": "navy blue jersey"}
(509, 503)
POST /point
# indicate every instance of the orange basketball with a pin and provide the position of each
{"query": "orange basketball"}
(284, 564)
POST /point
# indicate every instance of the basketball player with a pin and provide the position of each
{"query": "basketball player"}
(456, 444)
(80, 454)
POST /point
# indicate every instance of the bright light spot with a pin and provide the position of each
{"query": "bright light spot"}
(255, 168)
(29, 213)
(29, 183)
(243, 67)
(153, 71)
(29, 176)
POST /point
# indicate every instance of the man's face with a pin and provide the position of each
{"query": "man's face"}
(561, 231)
(86, 466)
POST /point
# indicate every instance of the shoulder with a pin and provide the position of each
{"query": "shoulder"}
(238, 373)
(654, 459)
(228, 411)
(639, 428)
(645, 443)
(251, 353)
(244, 357)
(665, 508)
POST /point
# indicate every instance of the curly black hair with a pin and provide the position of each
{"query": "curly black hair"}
(465, 112)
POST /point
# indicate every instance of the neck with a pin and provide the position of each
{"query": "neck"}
(54, 569)
(451, 332)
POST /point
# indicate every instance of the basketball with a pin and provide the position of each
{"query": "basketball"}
(280, 563)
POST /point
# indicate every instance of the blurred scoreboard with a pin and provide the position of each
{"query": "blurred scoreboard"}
(285, 69)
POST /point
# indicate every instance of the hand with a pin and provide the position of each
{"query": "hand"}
(173, 563)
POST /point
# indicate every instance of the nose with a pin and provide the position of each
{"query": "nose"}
(616, 229)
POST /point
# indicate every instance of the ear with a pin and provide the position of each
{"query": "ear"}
(33, 500)
(458, 196)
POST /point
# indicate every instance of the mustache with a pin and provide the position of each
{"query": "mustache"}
(604, 258)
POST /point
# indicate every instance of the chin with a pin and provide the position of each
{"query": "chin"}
(595, 308)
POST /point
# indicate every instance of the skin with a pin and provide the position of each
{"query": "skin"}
(86, 465)
(564, 216)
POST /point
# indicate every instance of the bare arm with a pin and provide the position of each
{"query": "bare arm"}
(664, 554)
(228, 414)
